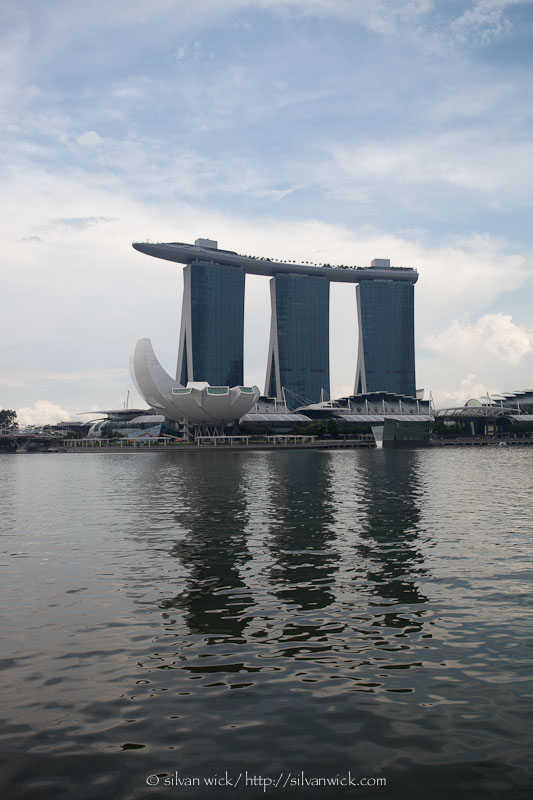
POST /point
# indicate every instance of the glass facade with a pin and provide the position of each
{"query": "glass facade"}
(386, 337)
(300, 341)
(216, 325)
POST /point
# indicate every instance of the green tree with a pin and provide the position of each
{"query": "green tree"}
(332, 428)
(315, 428)
(522, 427)
(445, 429)
(8, 419)
(109, 433)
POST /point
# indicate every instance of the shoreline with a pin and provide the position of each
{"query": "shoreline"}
(96, 446)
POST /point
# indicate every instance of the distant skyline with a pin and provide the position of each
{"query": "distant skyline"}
(313, 130)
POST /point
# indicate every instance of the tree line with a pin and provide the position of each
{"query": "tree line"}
(8, 419)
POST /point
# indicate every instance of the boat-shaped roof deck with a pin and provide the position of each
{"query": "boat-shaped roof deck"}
(189, 253)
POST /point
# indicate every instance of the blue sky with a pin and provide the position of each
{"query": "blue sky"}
(324, 130)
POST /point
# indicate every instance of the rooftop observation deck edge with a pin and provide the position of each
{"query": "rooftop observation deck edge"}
(188, 253)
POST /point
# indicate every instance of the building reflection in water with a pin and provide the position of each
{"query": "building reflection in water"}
(213, 510)
(302, 530)
(315, 556)
(389, 534)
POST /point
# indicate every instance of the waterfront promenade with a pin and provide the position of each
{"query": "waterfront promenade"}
(205, 443)
(278, 443)
(21, 442)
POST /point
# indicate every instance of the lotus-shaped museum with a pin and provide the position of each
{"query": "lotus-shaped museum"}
(196, 403)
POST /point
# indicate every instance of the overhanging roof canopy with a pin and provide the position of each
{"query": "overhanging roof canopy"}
(482, 412)
(255, 417)
(189, 253)
(383, 417)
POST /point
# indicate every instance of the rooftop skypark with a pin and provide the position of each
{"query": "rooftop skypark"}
(206, 250)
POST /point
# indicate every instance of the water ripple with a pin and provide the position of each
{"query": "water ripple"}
(318, 611)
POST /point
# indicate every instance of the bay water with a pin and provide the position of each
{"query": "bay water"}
(286, 624)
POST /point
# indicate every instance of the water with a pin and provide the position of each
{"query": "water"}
(268, 615)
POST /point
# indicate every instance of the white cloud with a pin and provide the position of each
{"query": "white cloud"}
(128, 91)
(181, 52)
(78, 223)
(493, 337)
(241, 25)
(477, 161)
(464, 277)
(43, 412)
(489, 355)
(155, 141)
(467, 388)
(80, 375)
(89, 139)
(115, 296)
(12, 382)
(485, 20)
(380, 16)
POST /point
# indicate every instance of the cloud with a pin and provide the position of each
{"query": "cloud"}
(485, 20)
(43, 412)
(78, 223)
(73, 376)
(85, 375)
(181, 51)
(125, 92)
(467, 388)
(165, 141)
(115, 296)
(323, 130)
(489, 355)
(12, 381)
(380, 16)
(89, 139)
(242, 25)
(480, 162)
(463, 277)
(492, 337)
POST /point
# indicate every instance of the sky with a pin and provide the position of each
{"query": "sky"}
(313, 130)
